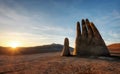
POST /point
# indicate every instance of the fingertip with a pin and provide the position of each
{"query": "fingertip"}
(87, 20)
(92, 23)
(78, 23)
(83, 21)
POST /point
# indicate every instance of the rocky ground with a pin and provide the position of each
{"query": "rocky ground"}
(52, 63)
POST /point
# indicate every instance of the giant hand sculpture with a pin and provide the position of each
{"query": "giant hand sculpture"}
(89, 42)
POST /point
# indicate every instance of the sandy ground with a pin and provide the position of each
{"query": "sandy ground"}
(52, 63)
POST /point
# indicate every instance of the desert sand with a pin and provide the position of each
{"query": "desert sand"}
(52, 63)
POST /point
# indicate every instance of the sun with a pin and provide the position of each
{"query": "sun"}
(14, 44)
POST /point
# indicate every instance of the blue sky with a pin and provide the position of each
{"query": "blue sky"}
(39, 22)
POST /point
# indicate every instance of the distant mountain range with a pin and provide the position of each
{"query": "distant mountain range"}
(33, 50)
(113, 48)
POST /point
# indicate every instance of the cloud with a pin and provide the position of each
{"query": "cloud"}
(114, 35)
(41, 26)
(29, 29)
(108, 25)
(13, 19)
(111, 37)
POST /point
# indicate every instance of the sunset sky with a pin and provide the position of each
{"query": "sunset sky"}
(40, 22)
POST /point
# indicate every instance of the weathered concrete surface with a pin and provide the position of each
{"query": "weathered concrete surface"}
(65, 50)
(89, 42)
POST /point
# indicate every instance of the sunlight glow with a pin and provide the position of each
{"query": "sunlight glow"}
(14, 44)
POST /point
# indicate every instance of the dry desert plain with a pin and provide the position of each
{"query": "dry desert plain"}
(53, 63)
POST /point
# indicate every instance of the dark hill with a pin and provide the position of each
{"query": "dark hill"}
(32, 50)
(114, 49)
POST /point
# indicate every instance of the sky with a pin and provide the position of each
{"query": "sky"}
(41, 22)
